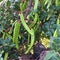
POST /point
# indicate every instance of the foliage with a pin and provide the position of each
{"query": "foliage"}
(52, 55)
(23, 22)
(55, 43)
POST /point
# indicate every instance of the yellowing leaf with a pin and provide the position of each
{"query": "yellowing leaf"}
(46, 42)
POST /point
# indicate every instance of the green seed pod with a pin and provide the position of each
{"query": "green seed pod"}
(30, 31)
(25, 25)
(32, 42)
(16, 33)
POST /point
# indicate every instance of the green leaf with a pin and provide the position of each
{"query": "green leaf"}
(49, 55)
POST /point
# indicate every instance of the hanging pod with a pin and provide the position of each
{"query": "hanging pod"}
(32, 42)
(30, 31)
(16, 33)
(25, 25)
